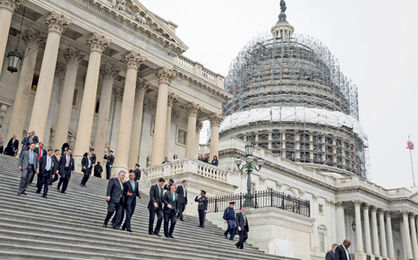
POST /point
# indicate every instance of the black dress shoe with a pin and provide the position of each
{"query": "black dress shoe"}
(105, 225)
(63, 192)
(58, 189)
(150, 233)
(129, 230)
(24, 193)
(237, 245)
(171, 236)
(38, 192)
(18, 193)
(226, 236)
(166, 235)
(44, 196)
(158, 235)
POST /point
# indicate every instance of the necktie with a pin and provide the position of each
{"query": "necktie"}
(159, 190)
(30, 157)
(133, 186)
(40, 154)
(172, 195)
(245, 219)
(121, 185)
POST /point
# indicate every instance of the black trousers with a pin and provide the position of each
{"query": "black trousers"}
(169, 218)
(129, 211)
(43, 180)
(25, 177)
(108, 172)
(85, 177)
(202, 215)
(152, 212)
(113, 207)
(243, 235)
(64, 180)
(181, 207)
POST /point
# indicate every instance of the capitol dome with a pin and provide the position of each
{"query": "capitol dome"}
(291, 99)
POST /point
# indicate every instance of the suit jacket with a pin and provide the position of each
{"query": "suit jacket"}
(180, 193)
(98, 169)
(62, 163)
(202, 203)
(93, 158)
(330, 255)
(127, 187)
(109, 160)
(154, 196)
(12, 147)
(114, 190)
(26, 142)
(85, 165)
(24, 160)
(240, 222)
(37, 151)
(57, 163)
(137, 174)
(42, 166)
(168, 200)
(340, 253)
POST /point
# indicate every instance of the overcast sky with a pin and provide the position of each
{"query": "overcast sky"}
(376, 42)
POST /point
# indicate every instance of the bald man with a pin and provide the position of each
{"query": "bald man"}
(342, 253)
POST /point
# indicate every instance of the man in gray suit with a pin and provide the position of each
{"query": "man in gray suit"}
(331, 254)
(28, 165)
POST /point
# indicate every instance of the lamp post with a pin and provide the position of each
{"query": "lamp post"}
(249, 166)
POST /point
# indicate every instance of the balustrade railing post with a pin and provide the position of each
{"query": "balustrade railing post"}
(216, 204)
(271, 198)
(255, 200)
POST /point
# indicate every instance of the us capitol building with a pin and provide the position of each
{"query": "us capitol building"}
(111, 74)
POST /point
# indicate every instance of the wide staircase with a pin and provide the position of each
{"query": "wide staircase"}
(69, 226)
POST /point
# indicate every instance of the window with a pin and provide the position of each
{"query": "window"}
(35, 82)
(321, 209)
(321, 241)
(96, 109)
(181, 136)
(75, 97)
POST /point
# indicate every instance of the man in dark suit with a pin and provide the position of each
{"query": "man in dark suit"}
(137, 172)
(93, 157)
(55, 157)
(86, 166)
(47, 169)
(66, 168)
(331, 253)
(167, 186)
(28, 165)
(341, 252)
(130, 192)
(12, 146)
(28, 140)
(182, 199)
(41, 152)
(170, 200)
(202, 207)
(155, 207)
(98, 169)
(242, 227)
(109, 164)
(114, 196)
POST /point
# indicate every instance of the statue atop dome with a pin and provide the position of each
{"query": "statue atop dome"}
(283, 6)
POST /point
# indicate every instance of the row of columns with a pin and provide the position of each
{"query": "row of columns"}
(375, 244)
(129, 135)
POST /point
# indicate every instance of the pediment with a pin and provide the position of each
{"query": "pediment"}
(149, 24)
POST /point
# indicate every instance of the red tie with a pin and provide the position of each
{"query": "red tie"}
(39, 156)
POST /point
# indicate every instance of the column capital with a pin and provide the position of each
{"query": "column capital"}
(388, 214)
(404, 213)
(57, 22)
(165, 75)
(339, 204)
(72, 55)
(192, 108)
(357, 203)
(11, 5)
(107, 70)
(373, 209)
(32, 38)
(142, 85)
(148, 104)
(216, 119)
(172, 99)
(199, 127)
(97, 42)
(133, 60)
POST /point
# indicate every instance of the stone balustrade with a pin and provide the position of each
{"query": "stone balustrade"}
(200, 71)
(186, 166)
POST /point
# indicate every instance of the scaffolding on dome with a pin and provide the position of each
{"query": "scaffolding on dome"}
(291, 98)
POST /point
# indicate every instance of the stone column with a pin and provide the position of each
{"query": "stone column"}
(72, 57)
(133, 60)
(367, 229)
(406, 236)
(7, 7)
(391, 250)
(20, 108)
(376, 248)
(341, 222)
(413, 235)
(171, 100)
(164, 76)
(137, 123)
(359, 232)
(197, 142)
(56, 25)
(215, 122)
(108, 74)
(193, 110)
(97, 44)
(382, 234)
